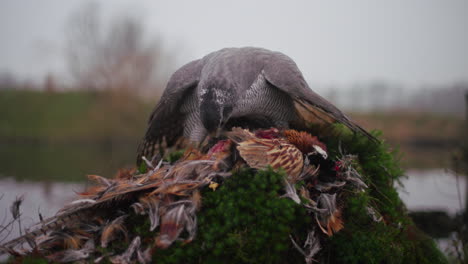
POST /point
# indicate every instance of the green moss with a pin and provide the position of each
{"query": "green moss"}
(175, 156)
(393, 240)
(33, 259)
(142, 168)
(379, 165)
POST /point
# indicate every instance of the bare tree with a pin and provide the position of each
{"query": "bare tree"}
(116, 56)
(7, 81)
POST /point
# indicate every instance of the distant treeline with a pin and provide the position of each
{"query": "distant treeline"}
(377, 96)
(120, 114)
(382, 96)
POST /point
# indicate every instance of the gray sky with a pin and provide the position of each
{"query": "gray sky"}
(412, 42)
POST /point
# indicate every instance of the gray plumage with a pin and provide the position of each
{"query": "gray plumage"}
(247, 87)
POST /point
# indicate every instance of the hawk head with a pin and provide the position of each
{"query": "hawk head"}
(215, 108)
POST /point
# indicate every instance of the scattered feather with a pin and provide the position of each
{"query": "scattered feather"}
(69, 255)
(147, 162)
(345, 168)
(311, 246)
(328, 186)
(102, 257)
(196, 199)
(72, 255)
(329, 218)
(138, 208)
(101, 180)
(376, 216)
(172, 224)
(112, 230)
(152, 203)
(291, 192)
(144, 257)
(126, 257)
(15, 207)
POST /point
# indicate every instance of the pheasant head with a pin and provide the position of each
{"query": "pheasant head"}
(305, 142)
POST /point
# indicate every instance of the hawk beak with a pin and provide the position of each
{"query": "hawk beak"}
(219, 130)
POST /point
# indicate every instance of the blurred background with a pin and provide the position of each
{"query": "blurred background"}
(79, 78)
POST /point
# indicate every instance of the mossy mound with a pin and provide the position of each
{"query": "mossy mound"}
(248, 219)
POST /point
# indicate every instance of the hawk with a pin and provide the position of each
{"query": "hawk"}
(246, 87)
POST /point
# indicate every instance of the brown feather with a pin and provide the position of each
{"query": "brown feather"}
(260, 152)
(172, 224)
(112, 230)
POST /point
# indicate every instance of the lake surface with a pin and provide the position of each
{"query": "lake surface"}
(64, 162)
(48, 177)
(435, 189)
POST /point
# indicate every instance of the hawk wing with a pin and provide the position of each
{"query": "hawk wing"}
(166, 123)
(283, 73)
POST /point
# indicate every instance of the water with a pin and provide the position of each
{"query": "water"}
(64, 162)
(45, 198)
(49, 175)
(434, 189)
